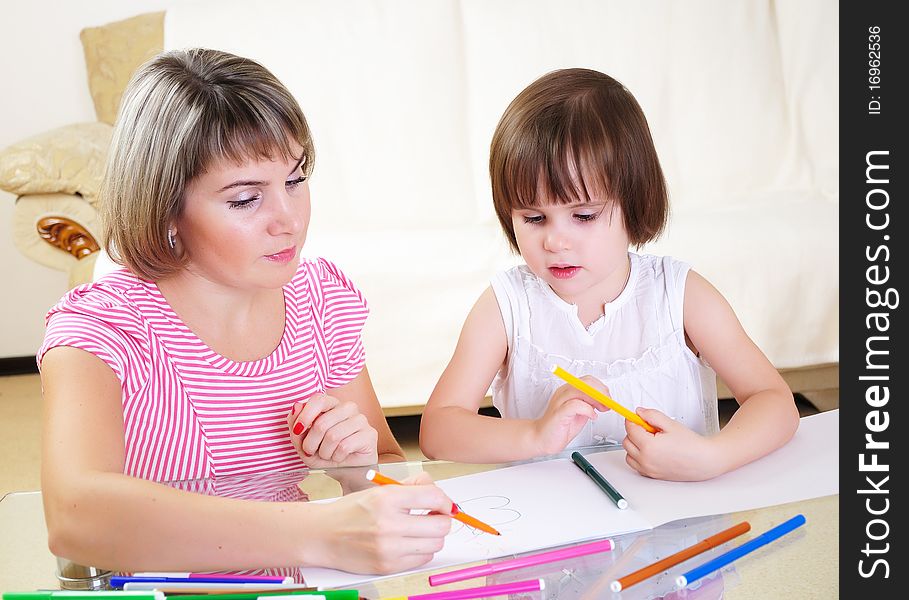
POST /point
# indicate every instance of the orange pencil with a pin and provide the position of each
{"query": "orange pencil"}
(683, 555)
(456, 513)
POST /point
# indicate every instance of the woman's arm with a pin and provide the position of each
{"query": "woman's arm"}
(360, 392)
(98, 516)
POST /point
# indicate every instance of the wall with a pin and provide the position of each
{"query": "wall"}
(44, 87)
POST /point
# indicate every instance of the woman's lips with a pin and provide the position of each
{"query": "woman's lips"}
(564, 272)
(284, 256)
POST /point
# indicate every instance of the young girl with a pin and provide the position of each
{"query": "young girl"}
(575, 183)
(216, 351)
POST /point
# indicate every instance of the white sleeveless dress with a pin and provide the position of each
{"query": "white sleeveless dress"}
(637, 348)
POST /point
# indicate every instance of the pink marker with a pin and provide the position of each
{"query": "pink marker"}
(520, 563)
(221, 576)
(486, 591)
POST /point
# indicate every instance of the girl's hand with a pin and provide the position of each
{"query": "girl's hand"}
(673, 453)
(567, 413)
(328, 432)
(375, 532)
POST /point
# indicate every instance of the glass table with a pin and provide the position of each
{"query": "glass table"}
(802, 565)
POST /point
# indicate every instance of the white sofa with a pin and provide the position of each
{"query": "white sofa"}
(403, 98)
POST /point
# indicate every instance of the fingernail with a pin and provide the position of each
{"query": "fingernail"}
(298, 428)
(454, 509)
(307, 453)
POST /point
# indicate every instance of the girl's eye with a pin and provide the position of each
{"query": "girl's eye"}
(584, 217)
(243, 202)
(533, 219)
(293, 183)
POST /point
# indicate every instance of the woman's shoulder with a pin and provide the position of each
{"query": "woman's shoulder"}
(324, 281)
(115, 297)
(322, 271)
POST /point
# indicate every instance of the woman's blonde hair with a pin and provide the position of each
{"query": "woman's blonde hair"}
(571, 133)
(182, 112)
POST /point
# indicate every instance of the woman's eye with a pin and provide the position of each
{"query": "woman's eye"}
(242, 202)
(533, 219)
(292, 183)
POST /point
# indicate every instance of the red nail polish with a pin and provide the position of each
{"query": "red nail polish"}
(298, 428)
(307, 453)
(454, 509)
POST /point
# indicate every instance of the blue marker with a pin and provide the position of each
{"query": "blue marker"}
(119, 581)
(739, 551)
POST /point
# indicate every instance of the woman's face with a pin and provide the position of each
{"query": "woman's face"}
(243, 225)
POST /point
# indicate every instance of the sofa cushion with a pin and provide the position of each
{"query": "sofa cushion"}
(113, 52)
(67, 160)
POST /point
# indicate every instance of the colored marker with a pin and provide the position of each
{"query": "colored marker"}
(68, 594)
(520, 563)
(600, 397)
(456, 513)
(598, 479)
(205, 587)
(293, 594)
(118, 581)
(486, 591)
(658, 567)
(210, 576)
(739, 551)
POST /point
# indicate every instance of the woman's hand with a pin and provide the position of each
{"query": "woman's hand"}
(674, 453)
(384, 529)
(567, 413)
(328, 432)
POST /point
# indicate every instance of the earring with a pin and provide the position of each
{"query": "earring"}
(171, 241)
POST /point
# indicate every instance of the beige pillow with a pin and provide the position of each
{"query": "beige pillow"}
(112, 54)
(67, 160)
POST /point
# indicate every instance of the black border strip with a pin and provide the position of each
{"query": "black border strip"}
(873, 230)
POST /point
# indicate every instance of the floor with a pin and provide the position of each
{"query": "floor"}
(20, 431)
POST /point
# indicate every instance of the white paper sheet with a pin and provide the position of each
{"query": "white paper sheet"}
(551, 503)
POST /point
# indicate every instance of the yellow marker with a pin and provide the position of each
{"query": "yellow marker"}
(600, 397)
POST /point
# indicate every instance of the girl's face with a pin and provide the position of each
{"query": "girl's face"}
(243, 225)
(580, 250)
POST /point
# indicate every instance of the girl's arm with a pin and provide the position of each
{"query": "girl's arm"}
(98, 516)
(452, 429)
(766, 418)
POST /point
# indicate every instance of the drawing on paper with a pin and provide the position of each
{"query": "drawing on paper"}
(493, 510)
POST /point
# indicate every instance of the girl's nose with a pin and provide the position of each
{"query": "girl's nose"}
(555, 240)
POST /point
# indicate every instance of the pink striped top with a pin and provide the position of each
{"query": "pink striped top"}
(191, 413)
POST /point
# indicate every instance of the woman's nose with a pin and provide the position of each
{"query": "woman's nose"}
(287, 216)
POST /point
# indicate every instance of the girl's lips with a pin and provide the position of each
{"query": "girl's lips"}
(564, 272)
(284, 256)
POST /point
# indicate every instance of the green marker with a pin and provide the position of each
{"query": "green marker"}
(327, 595)
(598, 479)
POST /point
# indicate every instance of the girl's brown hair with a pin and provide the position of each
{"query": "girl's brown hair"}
(571, 134)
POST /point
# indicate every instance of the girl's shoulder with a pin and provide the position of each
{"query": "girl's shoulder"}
(660, 268)
(659, 262)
